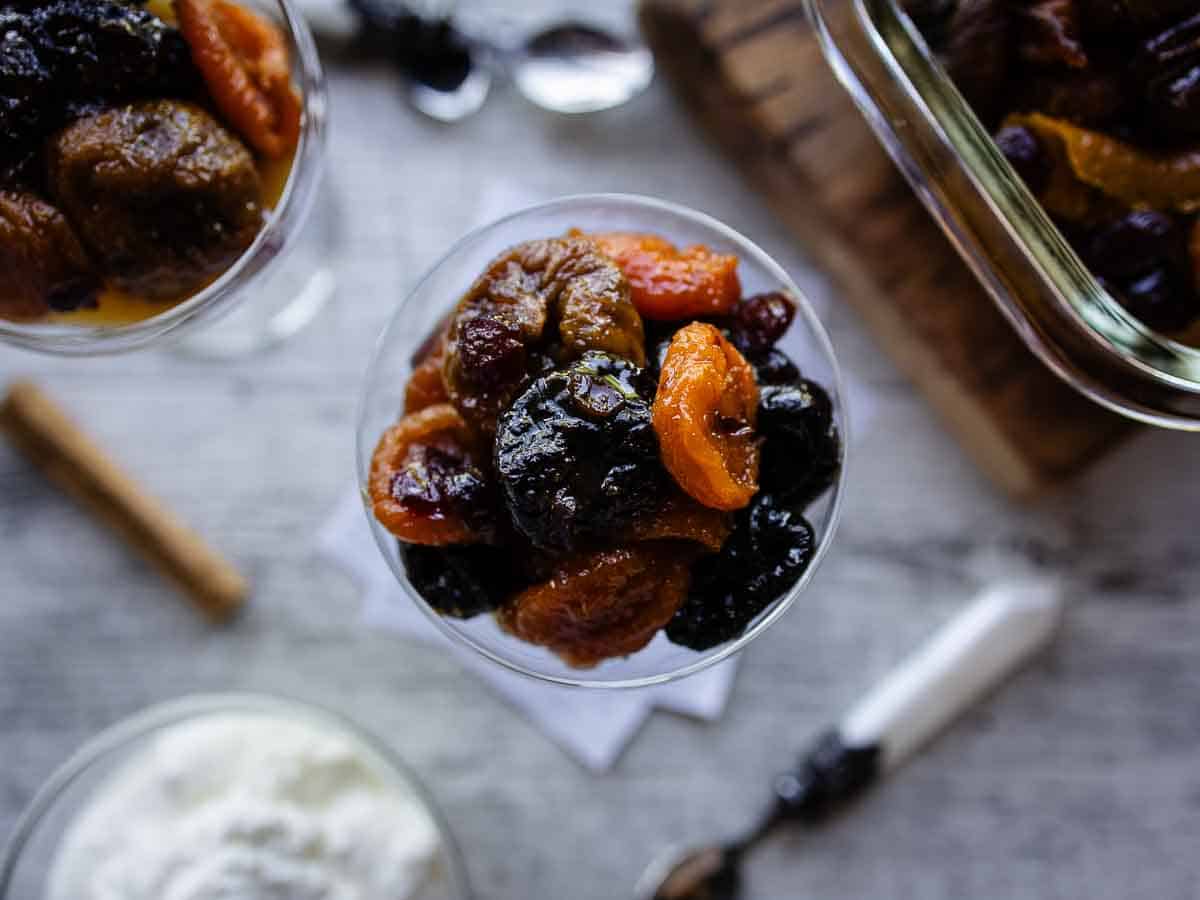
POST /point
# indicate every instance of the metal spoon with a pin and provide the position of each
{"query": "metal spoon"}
(961, 663)
(567, 68)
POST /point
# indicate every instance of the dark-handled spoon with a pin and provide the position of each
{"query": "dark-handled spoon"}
(962, 662)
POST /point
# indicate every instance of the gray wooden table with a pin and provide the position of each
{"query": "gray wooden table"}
(1080, 780)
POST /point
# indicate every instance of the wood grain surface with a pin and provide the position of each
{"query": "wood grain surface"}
(754, 75)
(1078, 781)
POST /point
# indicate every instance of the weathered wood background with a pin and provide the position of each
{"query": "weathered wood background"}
(1080, 780)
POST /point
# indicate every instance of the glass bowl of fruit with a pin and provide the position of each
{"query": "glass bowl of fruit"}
(601, 442)
(157, 159)
(1055, 142)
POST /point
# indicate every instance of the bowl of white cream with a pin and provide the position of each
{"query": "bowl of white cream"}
(233, 797)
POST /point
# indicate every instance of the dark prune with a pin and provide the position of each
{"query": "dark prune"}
(576, 453)
(758, 322)
(1026, 155)
(1161, 299)
(1135, 243)
(559, 296)
(801, 451)
(774, 367)
(42, 264)
(461, 581)
(160, 193)
(1049, 34)
(978, 55)
(1169, 66)
(768, 551)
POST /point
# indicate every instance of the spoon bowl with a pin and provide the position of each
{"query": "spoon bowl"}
(574, 68)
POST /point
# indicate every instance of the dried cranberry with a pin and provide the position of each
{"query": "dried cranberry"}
(758, 322)
(436, 479)
(1026, 155)
(491, 350)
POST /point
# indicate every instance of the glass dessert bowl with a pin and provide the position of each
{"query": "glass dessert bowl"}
(155, 169)
(601, 442)
(295, 787)
(1088, 326)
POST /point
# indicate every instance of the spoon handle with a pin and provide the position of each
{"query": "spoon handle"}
(966, 659)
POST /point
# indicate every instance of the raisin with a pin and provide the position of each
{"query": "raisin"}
(759, 322)
(598, 606)
(461, 581)
(769, 550)
(552, 297)
(669, 283)
(1169, 67)
(1026, 155)
(681, 518)
(576, 453)
(704, 414)
(1135, 243)
(802, 451)
(426, 486)
(43, 266)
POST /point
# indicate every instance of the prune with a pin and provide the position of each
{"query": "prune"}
(461, 581)
(161, 194)
(62, 56)
(42, 264)
(557, 297)
(1049, 34)
(1026, 155)
(801, 451)
(1169, 67)
(576, 453)
(768, 551)
(978, 54)
(680, 518)
(426, 485)
(704, 413)
(758, 322)
(669, 283)
(1161, 299)
(774, 367)
(244, 60)
(1135, 243)
(598, 606)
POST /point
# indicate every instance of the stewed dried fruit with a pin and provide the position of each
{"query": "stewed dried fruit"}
(461, 581)
(576, 453)
(771, 547)
(545, 472)
(426, 484)
(244, 61)
(704, 413)
(670, 283)
(42, 264)
(551, 297)
(601, 605)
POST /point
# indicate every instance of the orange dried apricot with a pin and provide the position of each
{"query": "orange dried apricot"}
(596, 607)
(682, 518)
(244, 60)
(424, 484)
(426, 386)
(704, 415)
(669, 283)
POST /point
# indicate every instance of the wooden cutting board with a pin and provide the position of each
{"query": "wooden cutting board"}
(754, 75)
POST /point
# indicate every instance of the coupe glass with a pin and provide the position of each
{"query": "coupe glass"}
(436, 294)
(26, 861)
(283, 274)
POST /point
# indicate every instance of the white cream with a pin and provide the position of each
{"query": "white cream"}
(247, 807)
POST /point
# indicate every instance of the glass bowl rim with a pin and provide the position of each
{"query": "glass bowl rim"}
(156, 718)
(288, 216)
(805, 311)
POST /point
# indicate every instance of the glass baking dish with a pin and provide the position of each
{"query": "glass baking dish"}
(1060, 311)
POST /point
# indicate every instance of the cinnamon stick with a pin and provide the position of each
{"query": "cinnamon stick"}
(37, 426)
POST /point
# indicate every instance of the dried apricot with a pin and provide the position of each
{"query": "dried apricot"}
(704, 414)
(681, 518)
(244, 60)
(426, 386)
(596, 607)
(669, 283)
(558, 297)
(425, 484)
